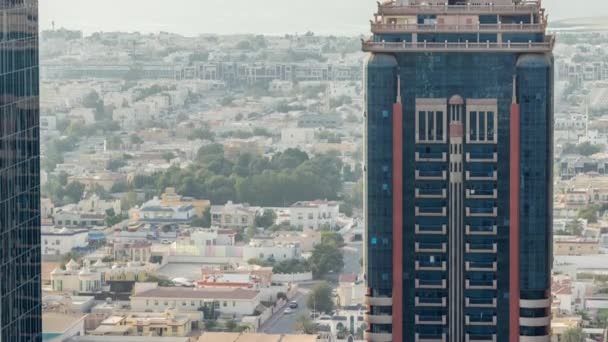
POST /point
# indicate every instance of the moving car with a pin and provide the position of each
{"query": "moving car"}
(293, 305)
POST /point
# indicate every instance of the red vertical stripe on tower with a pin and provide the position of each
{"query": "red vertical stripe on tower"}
(398, 222)
(514, 291)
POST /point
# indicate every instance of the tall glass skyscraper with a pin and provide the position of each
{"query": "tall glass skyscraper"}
(459, 115)
(20, 307)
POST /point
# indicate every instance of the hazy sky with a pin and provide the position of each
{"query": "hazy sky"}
(191, 17)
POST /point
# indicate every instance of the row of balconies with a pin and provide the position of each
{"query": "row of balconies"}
(419, 338)
(442, 212)
(442, 302)
(399, 47)
(469, 193)
(469, 175)
(396, 8)
(431, 284)
(440, 157)
(380, 28)
(427, 247)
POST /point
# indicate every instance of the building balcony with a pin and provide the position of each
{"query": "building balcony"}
(424, 338)
(480, 302)
(426, 266)
(480, 338)
(472, 157)
(412, 9)
(377, 337)
(430, 320)
(481, 176)
(535, 303)
(473, 266)
(378, 301)
(481, 230)
(431, 175)
(383, 28)
(481, 212)
(431, 302)
(480, 321)
(431, 211)
(545, 338)
(481, 284)
(423, 247)
(481, 248)
(431, 230)
(431, 284)
(402, 47)
(431, 157)
(481, 194)
(535, 321)
(378, 319)
(431, 193)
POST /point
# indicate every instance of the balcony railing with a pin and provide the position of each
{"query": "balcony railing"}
(377, 337)
(471, 284)
(378, 319)
(380, 28)
(431, 211)
(431, 302)
(430, 175)
(480, 338)
(482, 212)
(430, 320)
(406, 9)
(378, 301)
(480, 302)
(427, 338)
(482, 193)
(430, 266)
(476, 266)
(482, 175)
(478, 157)
(489, 320)
(431, 284)
(431, 193)
(431, 230)
(481, 230)
(426, 247)
(431, 157)
(508, 46)
(481, 248)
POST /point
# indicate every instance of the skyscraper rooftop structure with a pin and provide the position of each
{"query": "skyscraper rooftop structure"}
(459, 115)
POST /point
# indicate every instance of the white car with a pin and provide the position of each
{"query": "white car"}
(287, 311)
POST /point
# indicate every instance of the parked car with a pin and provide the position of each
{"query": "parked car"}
(293, 305)
(287, 311)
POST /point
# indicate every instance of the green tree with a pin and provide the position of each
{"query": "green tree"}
(266, 219)
(305, 325)
(73, 192)
(167, 156)
(128, 200)
(320, 298)
(589, 213)
(573, 335)
(326, 258)
(602, 318)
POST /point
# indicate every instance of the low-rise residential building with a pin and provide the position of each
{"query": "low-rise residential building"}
(314, 214)
(351, 290)
(61, 241)
(266, 248)
(155, 211)
(89, 212)
(229, 302)
(233, 216)
(168, 323)
(172, 199)
(92, 278)
(575, 246)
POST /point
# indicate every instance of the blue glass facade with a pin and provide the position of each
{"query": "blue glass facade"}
(20, 293)
(457, 100)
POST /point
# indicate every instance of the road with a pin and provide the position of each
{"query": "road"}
(282, 323)
(353, 253)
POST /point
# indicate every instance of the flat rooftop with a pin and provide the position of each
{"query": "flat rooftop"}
(54, 322)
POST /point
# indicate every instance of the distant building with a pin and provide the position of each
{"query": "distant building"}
(319, 121)
(229, 302)
(155, 211)
(575, 246)
(59, 326)
(314, 214)
(61, 241)
(90, 212)
(170, 198)
(167, 323)
(233, 216)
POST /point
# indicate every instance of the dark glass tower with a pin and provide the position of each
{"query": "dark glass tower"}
(20, 307)
(459, 115)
